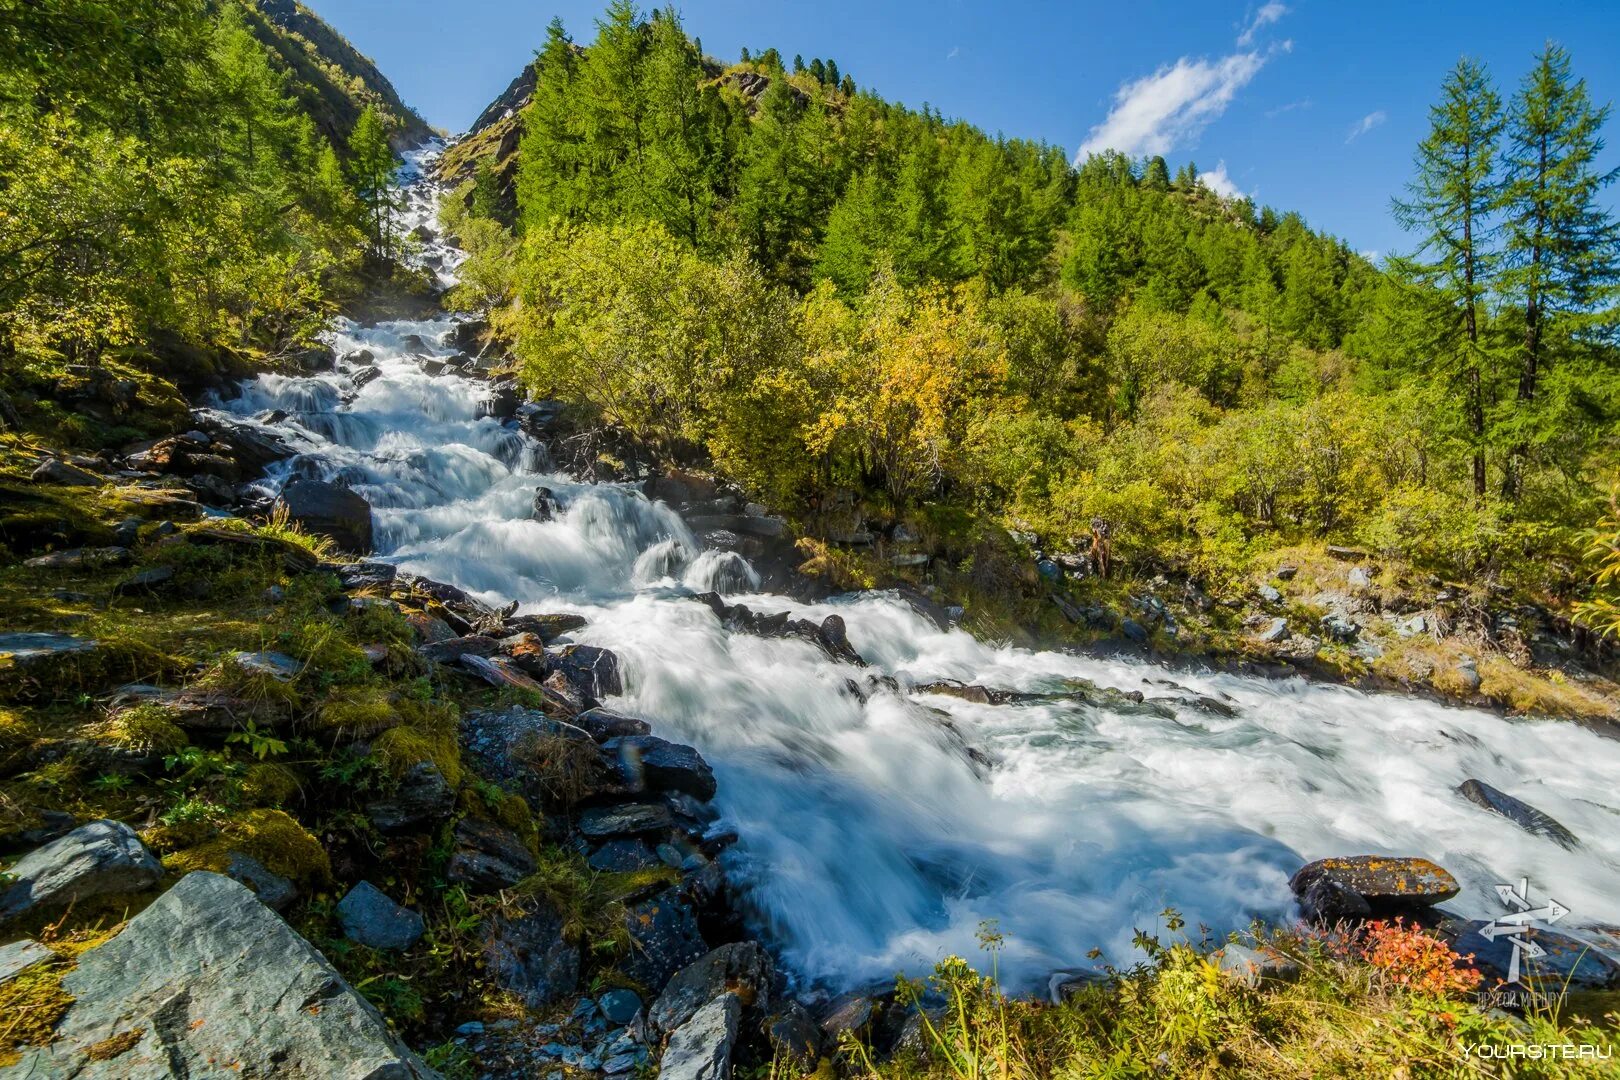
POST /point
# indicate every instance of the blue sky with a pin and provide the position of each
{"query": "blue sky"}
(1309, 105)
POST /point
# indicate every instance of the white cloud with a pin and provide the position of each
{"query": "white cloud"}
(1172, 106)
(956, 50)
(1268, 14)
(1273, 113)
(1221, 184)
(1365, 124)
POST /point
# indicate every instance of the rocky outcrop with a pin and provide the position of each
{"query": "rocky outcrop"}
(487, 857)
(647, 763)
(101, 857)
(208, 981)
(525, 952)
(743, 968)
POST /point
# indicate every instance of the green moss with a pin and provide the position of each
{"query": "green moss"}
(33, 1003)
(273, 837)
(269, 784)
(15, 732)
(146, 727)
(400, 748)
(505, 808)
(357, 712)
(427, 732)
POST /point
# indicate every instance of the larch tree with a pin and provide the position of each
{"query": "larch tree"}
(1561, 245)
(1451, 203)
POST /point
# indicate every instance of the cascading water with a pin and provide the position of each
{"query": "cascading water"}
(870, 843)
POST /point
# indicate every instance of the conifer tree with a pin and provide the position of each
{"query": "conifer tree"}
(1452, 199)
(371, 160)
(1561, 246)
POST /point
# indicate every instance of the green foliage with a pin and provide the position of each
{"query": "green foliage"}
(852, 308)
(159, 175)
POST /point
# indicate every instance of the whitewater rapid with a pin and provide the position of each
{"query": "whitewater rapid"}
(870, 844)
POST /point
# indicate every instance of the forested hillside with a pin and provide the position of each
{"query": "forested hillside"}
(181, 171)
(859, 309)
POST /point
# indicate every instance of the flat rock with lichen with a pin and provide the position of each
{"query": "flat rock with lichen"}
(209, 982)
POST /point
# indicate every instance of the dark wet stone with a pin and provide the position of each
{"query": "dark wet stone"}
(371, 918)
(664, 938)
(603, 724)
(526, 953)
(631, 819)
(487, 857)
(1520, 813)
(648, 763)
(617, 856)
(1568, 961)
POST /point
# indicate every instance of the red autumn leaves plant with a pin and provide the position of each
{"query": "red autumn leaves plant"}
(1416, 960)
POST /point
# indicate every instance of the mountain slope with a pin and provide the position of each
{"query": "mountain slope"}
(331, 78)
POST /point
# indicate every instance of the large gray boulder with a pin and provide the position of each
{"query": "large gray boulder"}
(701, 1048)
(331, 511)
(101, 857)
(207, 981)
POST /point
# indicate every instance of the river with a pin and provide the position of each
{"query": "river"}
(870, 843)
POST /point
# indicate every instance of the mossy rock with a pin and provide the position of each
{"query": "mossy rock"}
(273, 837)
(428, 731)
(148, 727)
(360, 712)
(269, 785)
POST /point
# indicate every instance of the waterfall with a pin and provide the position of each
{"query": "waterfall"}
(872, 839)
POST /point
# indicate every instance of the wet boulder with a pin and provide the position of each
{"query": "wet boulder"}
(547, 627)
(1565, 961)
(793, 1035)
(94, 859)
(331, 511)
(742, 967)
(502, 401)
(629, 819)
(604, 724)
(545, 504)
(664, 937)
(208, 975)
(1520, 813)
(595, 671)
(832, 637)
(648, 763)
(1357, 886)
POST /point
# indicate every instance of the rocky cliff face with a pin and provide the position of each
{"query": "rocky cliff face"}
(494, 135)
(325, 69)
